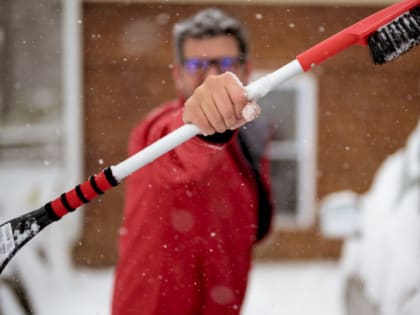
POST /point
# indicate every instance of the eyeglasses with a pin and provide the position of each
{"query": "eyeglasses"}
(223, 64)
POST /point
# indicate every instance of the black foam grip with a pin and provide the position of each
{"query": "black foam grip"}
(110, 177)
(95, 186)
(80, 194)
(65, 203)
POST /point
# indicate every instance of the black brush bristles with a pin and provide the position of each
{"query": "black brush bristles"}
(396, 37)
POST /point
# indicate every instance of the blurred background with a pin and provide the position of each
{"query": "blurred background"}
(76, 76)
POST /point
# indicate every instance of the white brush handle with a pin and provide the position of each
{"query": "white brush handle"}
(255, 90)
(154, 150)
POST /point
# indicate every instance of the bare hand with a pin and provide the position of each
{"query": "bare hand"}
(218, 104)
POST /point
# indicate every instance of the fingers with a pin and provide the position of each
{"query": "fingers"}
(237, 94)
(194, 114)
(219, 104)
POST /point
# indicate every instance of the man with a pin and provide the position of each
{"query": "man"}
(192, 216)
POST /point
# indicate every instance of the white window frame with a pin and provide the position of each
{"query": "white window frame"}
(72, 89)
(304, 150)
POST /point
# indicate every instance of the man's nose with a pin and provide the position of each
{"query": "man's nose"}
(213, 69)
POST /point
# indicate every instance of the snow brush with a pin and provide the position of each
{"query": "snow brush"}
(389, 33)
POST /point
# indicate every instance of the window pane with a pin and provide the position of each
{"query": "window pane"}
(279, 106)
(284, 186)
(30, 79)
(34, 62)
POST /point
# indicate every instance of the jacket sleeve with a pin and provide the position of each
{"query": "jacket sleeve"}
(191, 161)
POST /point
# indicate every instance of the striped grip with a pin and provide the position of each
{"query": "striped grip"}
(81, 194)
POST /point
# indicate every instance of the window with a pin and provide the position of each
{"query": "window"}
(40, 84)
(31, 83)
(291, 109)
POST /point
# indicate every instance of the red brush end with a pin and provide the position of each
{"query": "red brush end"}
(358, 33)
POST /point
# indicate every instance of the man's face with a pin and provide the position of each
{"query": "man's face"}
(208, 56)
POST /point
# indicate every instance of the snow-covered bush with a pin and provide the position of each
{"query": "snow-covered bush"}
(384, 251)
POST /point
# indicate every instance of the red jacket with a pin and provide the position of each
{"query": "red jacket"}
(190, 221)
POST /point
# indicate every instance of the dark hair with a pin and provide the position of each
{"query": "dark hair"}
(209, 23)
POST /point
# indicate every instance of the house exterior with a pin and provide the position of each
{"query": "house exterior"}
(76, 77)
(363, 112)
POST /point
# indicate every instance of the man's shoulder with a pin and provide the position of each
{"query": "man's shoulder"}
(157, 119)
(162, 111)
(165, 108)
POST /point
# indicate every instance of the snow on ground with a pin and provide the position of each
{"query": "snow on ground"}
(86, 292)
(274, 289)
(312, 288)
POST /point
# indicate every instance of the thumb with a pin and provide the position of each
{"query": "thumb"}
(251, 111)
